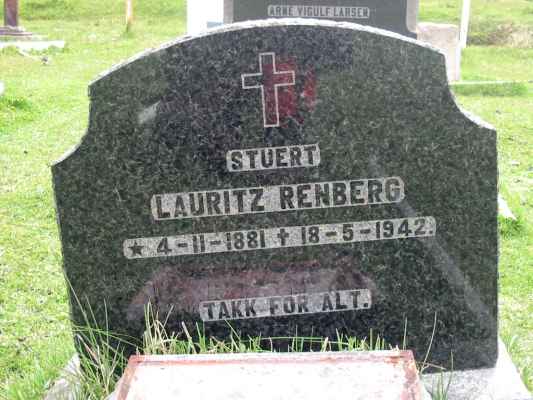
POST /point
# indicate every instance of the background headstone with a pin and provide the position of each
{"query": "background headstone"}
(11, 13)
(288, 178)
(11, 21)
(205, 14)
(399, 16)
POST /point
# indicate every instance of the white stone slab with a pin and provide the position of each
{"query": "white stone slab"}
(502, 382)
(203, 14)
(445, 37)
(266, 376)
(33, 45)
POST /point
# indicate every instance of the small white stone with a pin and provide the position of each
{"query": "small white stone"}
(266, 376)
(1, 88)
(504, 210)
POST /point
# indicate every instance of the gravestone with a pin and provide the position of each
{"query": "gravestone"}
(286, 177)
(399, 16)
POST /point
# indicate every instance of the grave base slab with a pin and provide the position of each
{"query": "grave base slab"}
(338, 375)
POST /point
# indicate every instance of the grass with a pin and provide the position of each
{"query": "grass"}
(44, 112)
(491, 89)
(492, 63)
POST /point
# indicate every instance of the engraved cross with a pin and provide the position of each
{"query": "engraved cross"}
(268, 80)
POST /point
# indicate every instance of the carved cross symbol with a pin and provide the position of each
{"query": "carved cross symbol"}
(268, 79)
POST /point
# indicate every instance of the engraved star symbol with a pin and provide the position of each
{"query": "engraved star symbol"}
(136, 250)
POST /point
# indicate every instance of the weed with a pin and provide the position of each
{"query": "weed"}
(442, 387)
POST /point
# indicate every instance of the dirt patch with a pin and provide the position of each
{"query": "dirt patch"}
(510, 35)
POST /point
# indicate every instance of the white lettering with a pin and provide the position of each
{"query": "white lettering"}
(279, 198)
(279, 237)
(282, 305)
(302, 11)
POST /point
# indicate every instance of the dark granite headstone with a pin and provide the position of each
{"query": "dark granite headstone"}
(398, 16)
(286, 177)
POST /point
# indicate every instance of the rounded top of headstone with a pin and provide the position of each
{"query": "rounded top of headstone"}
(385, 66)
(265, 24)
(286, 158)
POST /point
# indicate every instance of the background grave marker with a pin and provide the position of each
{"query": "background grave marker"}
(395, 225)
(396, 16)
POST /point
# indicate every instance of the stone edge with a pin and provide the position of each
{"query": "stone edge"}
(265, 23)
(230, 28)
